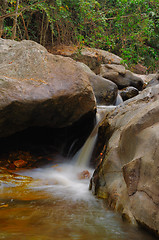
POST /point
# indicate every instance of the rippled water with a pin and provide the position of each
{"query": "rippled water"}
(56, 204)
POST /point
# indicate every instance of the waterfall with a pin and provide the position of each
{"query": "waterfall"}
(83, 156)
(69, 180)
(119, 100)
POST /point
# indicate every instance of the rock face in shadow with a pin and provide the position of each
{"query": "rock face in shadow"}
(129, 92)
(105, 90)
(128, 176)
(40, 89)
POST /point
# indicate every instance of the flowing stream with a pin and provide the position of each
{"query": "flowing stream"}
(54, 203)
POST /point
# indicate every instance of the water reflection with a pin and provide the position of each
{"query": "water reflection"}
(56, 204)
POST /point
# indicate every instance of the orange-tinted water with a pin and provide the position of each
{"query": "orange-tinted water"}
(52, 203)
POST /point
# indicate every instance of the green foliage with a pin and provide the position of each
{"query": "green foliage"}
(128, 28)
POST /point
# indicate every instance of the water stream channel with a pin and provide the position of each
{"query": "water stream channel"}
(53, 202)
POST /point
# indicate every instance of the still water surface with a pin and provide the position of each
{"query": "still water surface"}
(55, 204)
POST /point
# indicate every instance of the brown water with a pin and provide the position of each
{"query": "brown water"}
(52, 203)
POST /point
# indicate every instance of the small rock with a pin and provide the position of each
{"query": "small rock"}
(20, 163)
(128, 92)
(84, 175)
(118, 68)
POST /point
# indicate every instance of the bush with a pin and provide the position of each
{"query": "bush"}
(128, 28)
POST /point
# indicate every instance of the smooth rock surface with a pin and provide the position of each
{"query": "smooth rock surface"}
(128, 176)
(40, 89)
(105, 90)
(120, 76)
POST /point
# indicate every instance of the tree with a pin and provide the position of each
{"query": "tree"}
(4, 5)
(15, 20)
(128, 28)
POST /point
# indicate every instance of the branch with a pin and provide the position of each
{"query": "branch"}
(130, 15)
(20, 10)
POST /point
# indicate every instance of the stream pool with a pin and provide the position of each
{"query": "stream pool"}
(54, 203)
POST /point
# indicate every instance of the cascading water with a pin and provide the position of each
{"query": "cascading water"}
(119, 100)
(83, 156)
(56, 204)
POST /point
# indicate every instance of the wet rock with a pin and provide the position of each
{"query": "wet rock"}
(40, 89)
(129, 92)
(84, 175)
(20, 163)
(128, 176)
(131, 173)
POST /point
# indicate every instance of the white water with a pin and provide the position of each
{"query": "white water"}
(63, 179)
(119, 100)
(69, 211)
(83, 156)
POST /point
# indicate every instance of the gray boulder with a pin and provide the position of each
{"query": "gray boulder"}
(40, 89)
(130, 79)
(128, 176)
(122, 77)
(105, 90)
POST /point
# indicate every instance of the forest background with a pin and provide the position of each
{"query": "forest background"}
(128, 28)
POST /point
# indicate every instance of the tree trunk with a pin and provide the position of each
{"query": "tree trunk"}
(15, 22)
(42, 28)
(3, 4)
(45, 30)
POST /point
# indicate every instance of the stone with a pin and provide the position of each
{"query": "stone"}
(117, 68)
(105, 90)
(85, 174)
(146, 78)
(90, 56)
(154, 81)
(108, 73)
(20, 163)
(40, 89)
(128, 176)
(129, 79)
(128, 93)
(120, 76)
(131, 173)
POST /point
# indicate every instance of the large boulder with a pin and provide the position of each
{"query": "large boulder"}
(40, 89)
(122, 77)
(92, 57)
(128, 176)
(105, 90)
